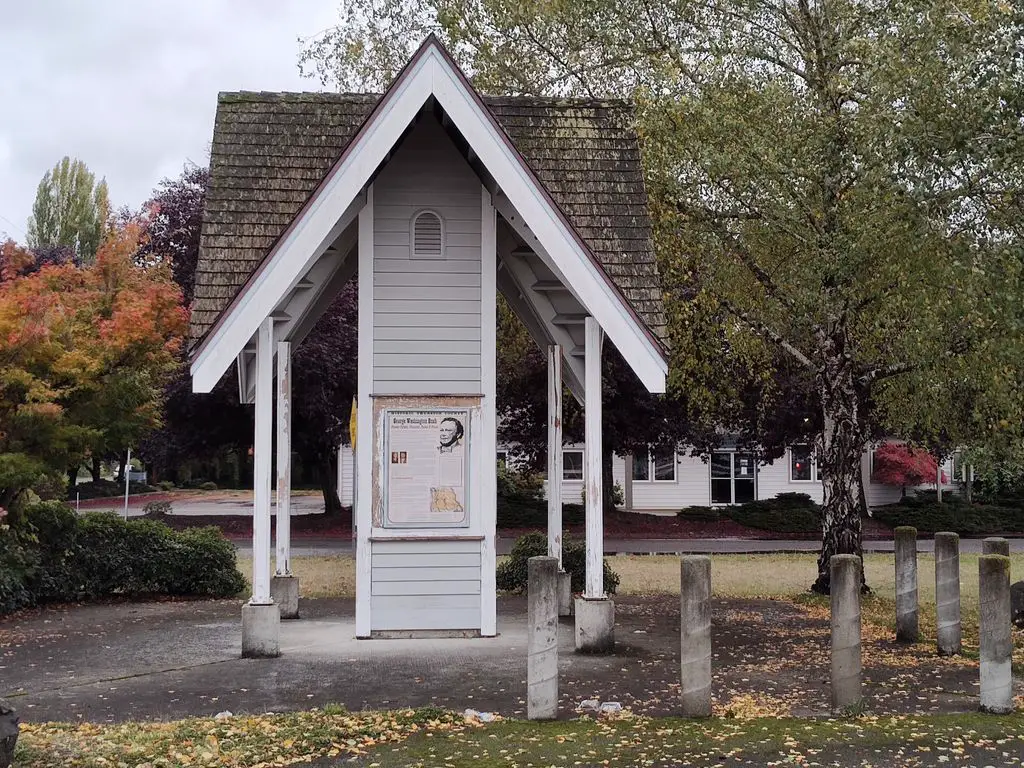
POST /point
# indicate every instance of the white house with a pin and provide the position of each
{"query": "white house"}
(665, 482)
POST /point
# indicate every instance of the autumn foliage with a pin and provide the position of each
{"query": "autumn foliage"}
(84, 354)
(897, 464)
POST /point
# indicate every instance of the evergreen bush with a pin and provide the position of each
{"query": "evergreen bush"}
(513, 572)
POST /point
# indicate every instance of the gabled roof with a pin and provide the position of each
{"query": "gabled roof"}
(273, 154)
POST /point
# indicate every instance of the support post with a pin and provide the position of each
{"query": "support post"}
(487, 483)
(555, 453)
(592, 471)
(542, 642)
(907, 625)
(261, 620)
(846, 659)
(996, 640)
(627, 483)
(362, 481)
(947, 593)
(695, 635)
(284, 587)
(595, 613)
(995, 545)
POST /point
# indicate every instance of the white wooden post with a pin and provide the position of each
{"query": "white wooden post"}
(127, 480)
(262, 446)
(627, 483)
(488, 448)
(284, 458)
(938, 482)
(592, 470)
(555, 452)
(363, 475)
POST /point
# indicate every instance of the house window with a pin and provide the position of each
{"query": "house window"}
(659, 466)
(733, 477)
(802, 465)
(572, 465)
(427, 236)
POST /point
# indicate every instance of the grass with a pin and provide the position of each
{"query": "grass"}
(431, 737)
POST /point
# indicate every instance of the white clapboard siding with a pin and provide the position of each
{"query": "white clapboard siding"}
(691, 488)
(775, 478)
(426, 311)
(424, 584)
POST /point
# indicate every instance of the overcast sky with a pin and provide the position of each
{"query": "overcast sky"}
(131, 87)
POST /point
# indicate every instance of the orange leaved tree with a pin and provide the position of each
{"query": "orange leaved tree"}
(84, 354)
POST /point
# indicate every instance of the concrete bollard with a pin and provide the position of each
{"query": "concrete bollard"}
(906, 584)
(542, 641)
(996, 640)
(995, 545)
(8, 733)
(845, 575)
(947, 593)
(695, 635)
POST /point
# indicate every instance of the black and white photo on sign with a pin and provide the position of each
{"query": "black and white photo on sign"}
(426, 483)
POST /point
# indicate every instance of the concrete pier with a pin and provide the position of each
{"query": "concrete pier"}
(845, 575)
(907, 629)
(564, 593)
(595, 625)
(695, 635)
(261, 631)
(995, 638)
(285, 591)
(995, 545)
(947, 593)
(542, 639)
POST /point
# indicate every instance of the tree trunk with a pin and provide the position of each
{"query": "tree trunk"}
(72, 480)
(863, 489)
(607, 482)
(327, 468)
(122, 466)
(842, 446)
(96, 468)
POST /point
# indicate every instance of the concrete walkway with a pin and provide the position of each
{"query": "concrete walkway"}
(312, 547)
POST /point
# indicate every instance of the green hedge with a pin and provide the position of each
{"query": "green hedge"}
(953, 514)
(55, 556)
(512, 575)
(786, 513)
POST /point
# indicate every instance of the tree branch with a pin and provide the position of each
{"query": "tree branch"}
(770, 334)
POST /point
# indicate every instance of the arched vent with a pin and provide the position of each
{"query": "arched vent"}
(427, 236)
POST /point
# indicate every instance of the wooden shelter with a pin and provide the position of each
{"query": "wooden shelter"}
(437, 198)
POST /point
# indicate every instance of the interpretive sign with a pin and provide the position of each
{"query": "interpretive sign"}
(426, 468)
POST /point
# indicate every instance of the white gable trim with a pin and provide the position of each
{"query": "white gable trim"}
(430, 73)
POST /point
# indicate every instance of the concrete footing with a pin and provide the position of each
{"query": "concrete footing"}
(595, 625)
(845, 578)
(949, 639)
(695, 635)
(564, 593)
(906, 584)
(995, 636)
(285, 591)
(261, 631)
(542, 639)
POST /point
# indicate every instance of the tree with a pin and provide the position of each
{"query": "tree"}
(70, 209)
(175, 223)
(84, 357)
(903, 465)
(829, 180)
(323, 385)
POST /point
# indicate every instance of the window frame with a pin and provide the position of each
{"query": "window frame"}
(648, 461)
(732, 478)
(565, 466)
(811, 457)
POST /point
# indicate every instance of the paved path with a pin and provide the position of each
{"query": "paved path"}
(313, 547)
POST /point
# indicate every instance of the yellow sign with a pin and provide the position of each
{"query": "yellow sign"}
(352, 422)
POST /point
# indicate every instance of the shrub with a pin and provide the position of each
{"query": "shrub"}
(166, 485)
(157, 508)
(106, 489)
(521, 502)
(59, 557)
(513, 572)
(786, 513)
(701, 514)
(51, 487)
(208, 486)
(954, 514)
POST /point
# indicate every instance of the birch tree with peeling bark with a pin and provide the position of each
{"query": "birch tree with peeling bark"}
(834, 181)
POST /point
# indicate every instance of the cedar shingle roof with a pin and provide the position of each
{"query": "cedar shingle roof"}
(271, 150)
